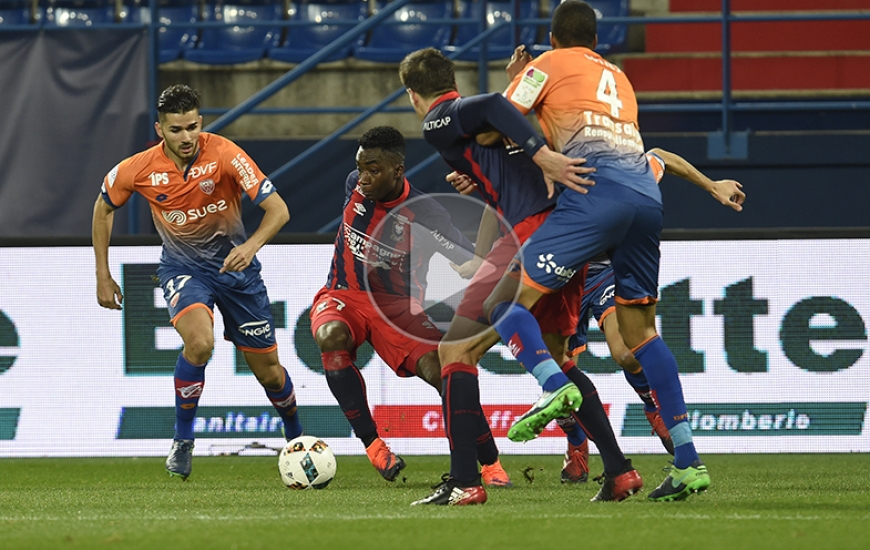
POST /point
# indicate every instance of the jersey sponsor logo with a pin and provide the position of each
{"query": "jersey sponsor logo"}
(371, 251)
(202, 170)
(529, 88)
(207, 186)
(159, 178)
(256, 328)
(359, 208)
(180, 218)
(607, 295)
(112, 175)
(436, 124)
(442, 240)
(246, 171)
(550, 266)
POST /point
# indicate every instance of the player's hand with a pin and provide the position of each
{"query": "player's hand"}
(109, 293)
(239, 258)
(469, 268)
(461, 183)
(518, 62)
(729, 193)
(566, 170)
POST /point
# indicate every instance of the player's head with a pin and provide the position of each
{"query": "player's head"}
(573, 25)
(380, 160)
(179, 122)
(426, 74)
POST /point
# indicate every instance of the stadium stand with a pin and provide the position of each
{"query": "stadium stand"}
(237, 42)
(78, 13)
(301, 42)
(391, 43)
(172, 41)
(793, 57)
(501, 43)
(16, 12)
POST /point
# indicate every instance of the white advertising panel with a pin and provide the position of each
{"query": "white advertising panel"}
(771, 338)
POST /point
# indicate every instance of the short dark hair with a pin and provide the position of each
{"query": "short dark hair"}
(178, 98)
(428, 72)
(574, 24)
(386, 138)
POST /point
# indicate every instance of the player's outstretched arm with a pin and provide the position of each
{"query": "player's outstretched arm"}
(727, 192)
(108, 292)
(277, 215)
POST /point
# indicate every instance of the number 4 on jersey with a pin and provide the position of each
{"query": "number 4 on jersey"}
(607, 92)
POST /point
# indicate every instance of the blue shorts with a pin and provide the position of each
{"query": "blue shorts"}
(598, 303)
(611, 219)
(241, 298)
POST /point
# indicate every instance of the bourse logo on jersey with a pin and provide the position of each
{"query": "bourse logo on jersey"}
(179, 217)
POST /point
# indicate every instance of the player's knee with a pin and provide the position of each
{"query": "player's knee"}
(198, 350)
(429, 369)
(457, 352)
(333, 336)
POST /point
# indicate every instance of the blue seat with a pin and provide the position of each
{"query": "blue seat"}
(500, 45)
(611, 36)
(172, 41)
(391, 43)
(304, 41)
(79, 13)
(15, 12)
(237, 42)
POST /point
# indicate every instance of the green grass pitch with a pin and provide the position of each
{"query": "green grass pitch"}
(756, 501)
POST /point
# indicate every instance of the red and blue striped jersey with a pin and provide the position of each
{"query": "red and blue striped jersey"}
(385, 247)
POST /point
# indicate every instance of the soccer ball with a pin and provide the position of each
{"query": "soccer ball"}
(306, 461)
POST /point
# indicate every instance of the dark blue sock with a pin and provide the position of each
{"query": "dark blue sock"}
(284, 401)
(520, 332)
(661, 370)
(576, 436)
(640, 384)
(460, 397)
(346, 383)
(189, 382)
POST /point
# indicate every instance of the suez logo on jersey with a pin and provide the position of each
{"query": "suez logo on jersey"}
(179, 217)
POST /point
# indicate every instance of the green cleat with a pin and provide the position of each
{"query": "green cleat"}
(550, 406)
(681, 483)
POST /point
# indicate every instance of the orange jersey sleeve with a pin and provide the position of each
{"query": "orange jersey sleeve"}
(580, 99)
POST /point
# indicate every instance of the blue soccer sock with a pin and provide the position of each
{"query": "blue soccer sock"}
(346, 383)
(638, 381)
(575, 435)
(660, 367)
(460, 398)
(284, 401)
(189, 382)
(519, 330)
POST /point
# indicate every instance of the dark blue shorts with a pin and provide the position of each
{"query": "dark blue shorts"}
(598, 302)
(241, 298)
(611, 219)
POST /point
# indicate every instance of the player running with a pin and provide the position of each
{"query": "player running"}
(514, 187)
(375, 292)
(194, 182)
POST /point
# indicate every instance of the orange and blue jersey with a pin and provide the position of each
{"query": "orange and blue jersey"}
(507, 178)
(197, 211)
(385, 246)
(587, 108)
